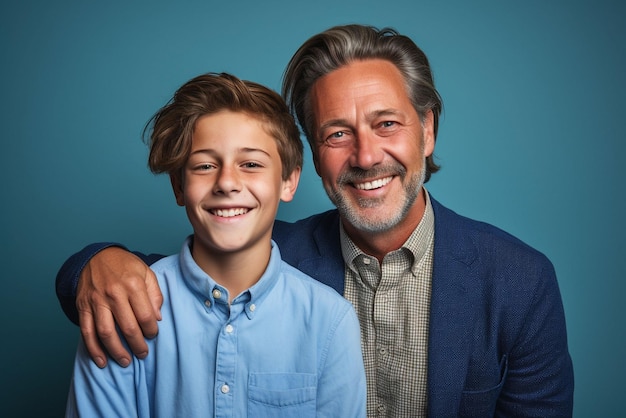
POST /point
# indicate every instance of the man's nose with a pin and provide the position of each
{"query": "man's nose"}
(367, 151)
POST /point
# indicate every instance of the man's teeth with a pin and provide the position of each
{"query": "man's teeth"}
(369, 185)
(227, 213)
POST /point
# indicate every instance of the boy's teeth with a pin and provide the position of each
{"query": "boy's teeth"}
(227, 213)
(369, 185)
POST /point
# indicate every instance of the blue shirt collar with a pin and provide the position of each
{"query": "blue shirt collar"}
(211, 292)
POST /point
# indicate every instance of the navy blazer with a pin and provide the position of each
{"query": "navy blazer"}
(497, 337)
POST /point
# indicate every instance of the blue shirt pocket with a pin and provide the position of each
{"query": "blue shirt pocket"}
(282, 395)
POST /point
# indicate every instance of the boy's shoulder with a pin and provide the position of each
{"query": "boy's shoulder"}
(165, 264)
(299, 283)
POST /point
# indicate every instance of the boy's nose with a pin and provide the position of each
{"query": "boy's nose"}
(228, 181)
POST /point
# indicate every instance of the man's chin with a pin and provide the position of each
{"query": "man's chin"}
(369, 219)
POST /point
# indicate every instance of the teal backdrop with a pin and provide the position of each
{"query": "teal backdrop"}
(532, 140)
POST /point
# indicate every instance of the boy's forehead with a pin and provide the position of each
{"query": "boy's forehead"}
(241, 130)
(256, 120)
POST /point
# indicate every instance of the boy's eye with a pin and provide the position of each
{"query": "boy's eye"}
(203, 167)
(251, 164)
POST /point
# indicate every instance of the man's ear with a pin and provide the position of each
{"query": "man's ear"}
(290, 185)
(177, 186)
(428, 132)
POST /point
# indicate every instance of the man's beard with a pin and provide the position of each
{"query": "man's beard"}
(349, 210)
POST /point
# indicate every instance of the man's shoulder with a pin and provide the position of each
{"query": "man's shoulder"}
(308, 224)
(322, 228)
(455, 230)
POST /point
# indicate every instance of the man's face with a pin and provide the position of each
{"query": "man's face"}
(370, 145)
(232, 185)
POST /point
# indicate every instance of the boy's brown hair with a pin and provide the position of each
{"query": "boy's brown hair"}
(173, 125)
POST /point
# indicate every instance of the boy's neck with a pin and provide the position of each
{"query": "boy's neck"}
(236, 271)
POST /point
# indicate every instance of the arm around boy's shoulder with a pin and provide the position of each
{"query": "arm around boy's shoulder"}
(68, 275)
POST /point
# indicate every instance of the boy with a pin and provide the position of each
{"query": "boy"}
(243, 333)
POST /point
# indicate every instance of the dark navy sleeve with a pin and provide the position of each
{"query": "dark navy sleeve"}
(67, 277)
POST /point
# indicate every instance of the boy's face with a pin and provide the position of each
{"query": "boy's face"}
(232, 184)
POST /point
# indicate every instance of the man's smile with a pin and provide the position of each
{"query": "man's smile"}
(374, 184)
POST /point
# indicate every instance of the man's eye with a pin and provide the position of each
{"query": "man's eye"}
(339, 136)
(387, 124)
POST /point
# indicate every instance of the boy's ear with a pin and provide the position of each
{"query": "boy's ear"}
(177, 187)
(290, 185)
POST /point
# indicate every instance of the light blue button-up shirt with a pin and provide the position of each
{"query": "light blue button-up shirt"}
(287, 347)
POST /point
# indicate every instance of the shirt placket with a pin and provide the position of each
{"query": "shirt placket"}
(226, 387)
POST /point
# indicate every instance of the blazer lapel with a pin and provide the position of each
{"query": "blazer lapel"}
(454, 304)
(326, 264)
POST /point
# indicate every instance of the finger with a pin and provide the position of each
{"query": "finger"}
(125, 316)
(90, 338)
(154, 293)
(143, 311)
(108, 336)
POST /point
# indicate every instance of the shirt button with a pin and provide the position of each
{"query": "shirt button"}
(217, 294)
(207, 303)
(229, 328)
(225, 389)
(366, 261)
(252, 307)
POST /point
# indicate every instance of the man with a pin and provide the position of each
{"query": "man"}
(458, 318)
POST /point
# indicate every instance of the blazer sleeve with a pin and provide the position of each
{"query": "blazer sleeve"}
(539, 377)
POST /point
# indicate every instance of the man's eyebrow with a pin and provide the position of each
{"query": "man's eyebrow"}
(383, 112)
(333, 123)
(370, 116)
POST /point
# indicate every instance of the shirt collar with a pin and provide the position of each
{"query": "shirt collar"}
(209, 290)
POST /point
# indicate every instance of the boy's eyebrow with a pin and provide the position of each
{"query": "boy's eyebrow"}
(245, 150)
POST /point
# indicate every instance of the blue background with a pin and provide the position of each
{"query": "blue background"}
(532, 140)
